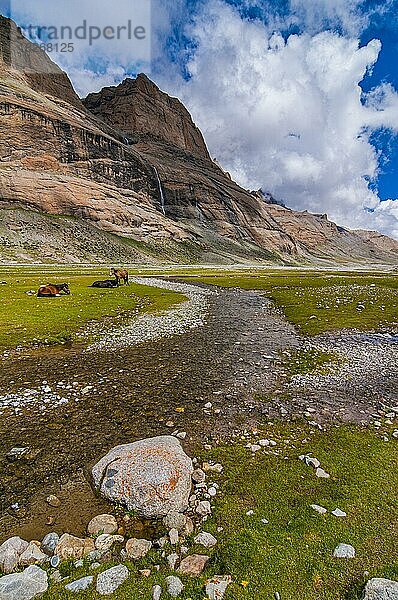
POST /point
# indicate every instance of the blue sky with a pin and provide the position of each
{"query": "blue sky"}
(297, 97)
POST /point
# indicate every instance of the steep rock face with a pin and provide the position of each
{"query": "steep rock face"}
(137, 106)
(136, 166)
(28, 61)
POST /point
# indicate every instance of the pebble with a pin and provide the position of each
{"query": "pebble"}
(338, 513)
(205, 539)
(320, 509)
(344, 551)
(174, 586)
(321, 473)
(79, 585)
(172, 560)
(108, 581)
(203, 508)
(156, 592)
(173, 537)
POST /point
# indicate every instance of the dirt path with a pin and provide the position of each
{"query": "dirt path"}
(67, 425)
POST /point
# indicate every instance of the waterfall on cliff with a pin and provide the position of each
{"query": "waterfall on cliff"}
(162, 203)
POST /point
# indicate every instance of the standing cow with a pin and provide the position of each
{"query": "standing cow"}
(120, 275)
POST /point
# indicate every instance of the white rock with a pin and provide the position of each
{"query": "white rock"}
(80, 584)
(322, 474)
(338, 513)
(212, 491)
(151, 476)
(381, 589)
(203, 508)
(137, 548)
(156, 592)
(108, 581)
(31, 583)
(320, 509)
(199, 476)
(105, 541)
(102, 524)
(10, 551)
(174, 586)
(173, 536)
(172, 561)
(205, 539)
(344, 551)
(32, 556)
(216, 586)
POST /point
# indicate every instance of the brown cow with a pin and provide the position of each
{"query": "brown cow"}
(52, 290)
(120, 274)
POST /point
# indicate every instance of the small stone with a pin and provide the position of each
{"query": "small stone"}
(102, 524)
(212, 491)
(250, 513)
(182, 435)
(193, 565)
(70, 546)
(319, 509)
(255, 448)
(79, 563)
(264, 443)
(217, 586)
(312, 462)
(54, 561)
(175, 520)
(205, 539)
(32, 556)
(10, 551)
(108, 581)
(49, 543)
(137, 548)
(80, 584)
(173, 536)
(381, 589)
(105, 541)
(94, 566)
(53, 501)
(208, 405)
(344, 551)
(145, 572)
(338, 513)
(174, 586)
(203, 508)
(32, 582)
(156, 592)
(172, 560)
(264, 521)
(321, 473)
(199, 476)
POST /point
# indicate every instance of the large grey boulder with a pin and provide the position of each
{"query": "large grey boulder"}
(381, 589)
(10, 551)
(31, 583)
(151, 476)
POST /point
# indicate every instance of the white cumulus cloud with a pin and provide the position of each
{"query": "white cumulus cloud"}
(289, 116)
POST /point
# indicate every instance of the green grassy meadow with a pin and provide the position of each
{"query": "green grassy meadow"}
(292, 554)
(25, 320)
(316, 302)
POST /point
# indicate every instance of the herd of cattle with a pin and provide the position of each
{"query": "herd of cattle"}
(52, 290)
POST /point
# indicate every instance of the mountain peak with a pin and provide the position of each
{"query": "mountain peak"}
(138, 106)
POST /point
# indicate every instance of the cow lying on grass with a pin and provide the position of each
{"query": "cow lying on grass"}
(107, 283)
(53, 291)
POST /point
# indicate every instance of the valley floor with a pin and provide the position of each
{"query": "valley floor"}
(278, 355)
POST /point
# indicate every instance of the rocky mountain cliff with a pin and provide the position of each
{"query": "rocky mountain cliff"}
(127, 171)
